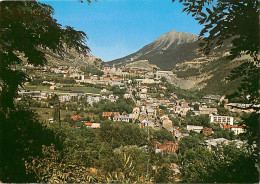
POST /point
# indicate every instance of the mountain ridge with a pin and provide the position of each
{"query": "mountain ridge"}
(161, 45)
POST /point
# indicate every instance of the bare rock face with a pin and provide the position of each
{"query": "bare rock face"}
(73, 58)
(173, 39)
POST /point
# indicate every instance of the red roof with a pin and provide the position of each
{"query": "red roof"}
(76, 117)
(230, 126)
(109, 114)
(88, 124)
(118, 78)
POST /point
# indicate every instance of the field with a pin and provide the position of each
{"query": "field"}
(63, 89)
(47, 113)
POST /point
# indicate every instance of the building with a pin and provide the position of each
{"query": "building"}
(76, 117)
(167, 124)
(147, 123)
(125, 118)
(224, 120)
(207, 131)
(110, 114)
(236, 129)
(194, 128)
(180, 135)
(168, 147)
(92, 125)
(238, 107)
(219, 141)
(151, 113)
(206, 110)
(214, 142)
(175, 131)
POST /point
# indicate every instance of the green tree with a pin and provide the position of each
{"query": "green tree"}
(223, 164)
(27, 29)
(223, 20)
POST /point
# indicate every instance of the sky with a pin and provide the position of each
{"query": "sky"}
(116, 28)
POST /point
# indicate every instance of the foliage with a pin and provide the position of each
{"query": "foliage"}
(199, 120)
(121, 105)
(162, 135)
(26, 28)
(127, 173)
(122, 134)
(248, 89)
(21, 136)
(92, 70)
(226, 164)
(225, 20)
(188, 143)
(222, 133)
(51, 169)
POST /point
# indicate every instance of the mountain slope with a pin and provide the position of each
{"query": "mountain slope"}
(165, 51)
(180, 53)
(72, 58)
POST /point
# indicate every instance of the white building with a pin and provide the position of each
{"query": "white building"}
(194, 128)
(225, 120)
(125, 118)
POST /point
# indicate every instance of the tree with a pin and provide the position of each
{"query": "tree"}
(225, 20)
(27, 29)
(223, 164)
(21, 137)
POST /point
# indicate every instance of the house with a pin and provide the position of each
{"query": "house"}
(125, 118)
(167, 124)
(110, 114)
(207, 131)
(182, 110)
(168, 147)
(236, 129)
(224, 120)
(76, 117)
(211, 98)
(174, 131)
(194, 128)
(179, 136)
(207, 110)
(151, 113)
(92, 125)
(214, 142)
(136, 112)
(147, 123)
(127, 95)
(143, 95)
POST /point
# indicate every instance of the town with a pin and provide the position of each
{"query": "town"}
(143, 97)
(129, 91)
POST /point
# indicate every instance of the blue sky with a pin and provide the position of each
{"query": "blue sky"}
(116, 28)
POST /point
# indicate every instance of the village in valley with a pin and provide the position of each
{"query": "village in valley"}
(90, 97)
(129, 91)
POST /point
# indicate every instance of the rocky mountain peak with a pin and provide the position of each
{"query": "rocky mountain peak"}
(173, 39)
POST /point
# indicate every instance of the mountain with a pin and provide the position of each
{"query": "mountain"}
(165, 51)
(191, 69)
(72, 58)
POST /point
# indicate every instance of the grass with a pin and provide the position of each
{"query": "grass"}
(37, 88)
(80, 88)
(63, 89)
(47, 113)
